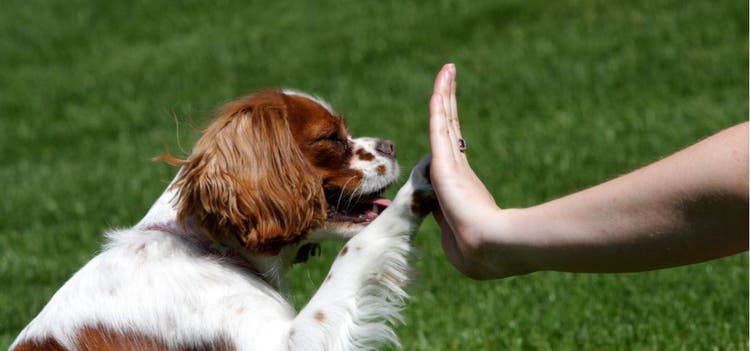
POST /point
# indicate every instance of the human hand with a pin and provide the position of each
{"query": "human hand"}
(467, 212)
(606, 228)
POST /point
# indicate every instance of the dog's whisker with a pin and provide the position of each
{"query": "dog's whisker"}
(341, 193)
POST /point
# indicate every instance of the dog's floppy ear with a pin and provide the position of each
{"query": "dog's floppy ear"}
(246, 178)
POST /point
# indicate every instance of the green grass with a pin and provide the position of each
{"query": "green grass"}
(554, 96)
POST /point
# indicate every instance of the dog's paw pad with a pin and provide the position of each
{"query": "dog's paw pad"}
(423, 202)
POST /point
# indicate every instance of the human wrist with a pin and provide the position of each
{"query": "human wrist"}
(508, 244)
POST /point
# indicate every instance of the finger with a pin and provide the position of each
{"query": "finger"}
(440, 130)
(440, 140)
(454, 107)
(454, 124)
(443, 87)
(452, 103)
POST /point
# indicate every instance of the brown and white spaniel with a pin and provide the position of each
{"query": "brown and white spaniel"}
(273, 174)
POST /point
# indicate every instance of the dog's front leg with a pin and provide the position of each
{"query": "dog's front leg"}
(363, 292)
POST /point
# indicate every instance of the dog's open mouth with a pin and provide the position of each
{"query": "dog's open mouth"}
(357, 209)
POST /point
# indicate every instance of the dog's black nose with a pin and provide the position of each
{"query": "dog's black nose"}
(386, 148)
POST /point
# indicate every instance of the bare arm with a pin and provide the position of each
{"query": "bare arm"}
(689, 207)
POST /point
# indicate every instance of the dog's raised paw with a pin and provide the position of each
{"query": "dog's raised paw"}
(423, 200)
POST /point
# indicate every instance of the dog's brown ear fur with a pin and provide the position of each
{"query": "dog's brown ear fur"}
(247, 179)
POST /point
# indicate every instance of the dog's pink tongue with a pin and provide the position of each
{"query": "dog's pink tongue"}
(378, 205)
(382, 202)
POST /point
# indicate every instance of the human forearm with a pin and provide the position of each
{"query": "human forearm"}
(686, 208)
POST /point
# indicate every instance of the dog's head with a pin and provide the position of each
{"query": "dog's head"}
(275, 166)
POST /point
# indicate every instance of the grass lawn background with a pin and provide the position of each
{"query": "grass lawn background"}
(554, 96)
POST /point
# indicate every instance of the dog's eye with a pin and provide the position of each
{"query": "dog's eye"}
(336, 138)
(330, 137)
(333, 138)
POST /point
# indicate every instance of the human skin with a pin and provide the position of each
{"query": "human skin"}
(689, 207)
